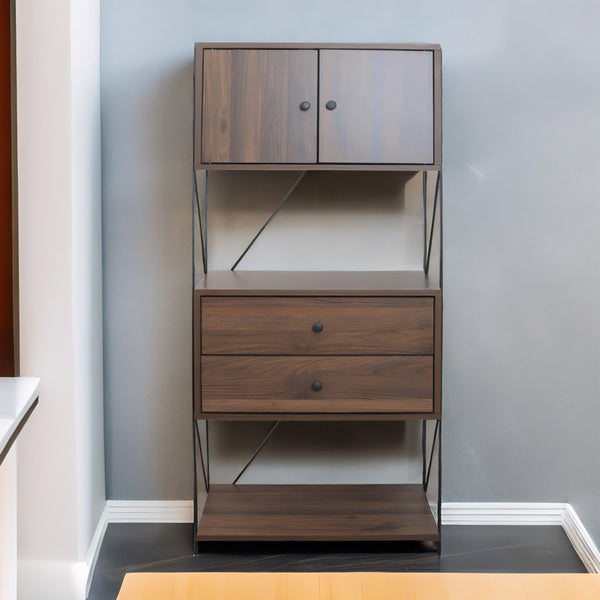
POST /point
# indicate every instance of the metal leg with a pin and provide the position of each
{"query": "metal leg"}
(437, 506)
(439, 498)
(435, 436)
(441, 208)
(424, 450)
(194, 545)
(281, 203)
(202, 208)
(203, 463)
(424, 220)
(207, 456)
(256, 452)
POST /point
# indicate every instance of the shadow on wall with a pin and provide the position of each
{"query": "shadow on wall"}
(333, 220)
(331, 452)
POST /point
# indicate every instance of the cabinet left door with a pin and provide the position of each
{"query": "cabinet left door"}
(258, 106)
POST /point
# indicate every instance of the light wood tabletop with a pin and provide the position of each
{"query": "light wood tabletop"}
(359, 586)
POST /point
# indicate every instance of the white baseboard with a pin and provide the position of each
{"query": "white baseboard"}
(527, 513)
(133, 511)
(94, 548)
(453, 513)
(502, 513)
(580, 539)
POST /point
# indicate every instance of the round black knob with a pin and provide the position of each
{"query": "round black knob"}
(317, 327)
(331, 105)
(305, 105)
(316, 386)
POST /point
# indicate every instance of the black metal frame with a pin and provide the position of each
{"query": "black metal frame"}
(202, 208)
(201, 204)
(428, 239)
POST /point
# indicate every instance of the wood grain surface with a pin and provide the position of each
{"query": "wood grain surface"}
(384, 111)
(317, 283)
(250, 110)
(367, 85)
(455, 586)
(360, 586)
(284, 325)
(317, 512)
(353, 384)
(218, 586)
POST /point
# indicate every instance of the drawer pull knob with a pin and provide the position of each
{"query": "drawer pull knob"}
(317, 386)
(304, 105)
(317, 327)
(331, 105)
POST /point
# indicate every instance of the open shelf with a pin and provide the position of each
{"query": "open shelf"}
(371, 512)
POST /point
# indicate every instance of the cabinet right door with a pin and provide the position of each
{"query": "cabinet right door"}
(376, 107)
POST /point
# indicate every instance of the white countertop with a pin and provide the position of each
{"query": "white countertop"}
(18, 396)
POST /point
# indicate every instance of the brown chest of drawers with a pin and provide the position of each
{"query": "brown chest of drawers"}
(365, 345)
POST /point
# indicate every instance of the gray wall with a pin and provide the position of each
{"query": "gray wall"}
(522, 281)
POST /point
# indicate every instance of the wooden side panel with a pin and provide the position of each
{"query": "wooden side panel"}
(285, 325)
(367, 384)
(384, 111)
(250, 110)
(7, 349)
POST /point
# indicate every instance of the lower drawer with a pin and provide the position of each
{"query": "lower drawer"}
(331, 384)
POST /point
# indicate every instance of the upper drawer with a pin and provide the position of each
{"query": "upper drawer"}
(345, 326)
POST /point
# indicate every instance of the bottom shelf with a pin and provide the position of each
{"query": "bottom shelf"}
(317, 513)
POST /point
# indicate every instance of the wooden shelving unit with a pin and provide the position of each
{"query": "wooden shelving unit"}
(317, 346)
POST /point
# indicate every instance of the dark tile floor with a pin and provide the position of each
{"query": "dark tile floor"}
(168, 547)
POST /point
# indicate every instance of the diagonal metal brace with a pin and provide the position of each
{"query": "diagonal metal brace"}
(427, 244)
(256, 452)
(202, 208)
(281, 203)
(205, 472)
(435, 436)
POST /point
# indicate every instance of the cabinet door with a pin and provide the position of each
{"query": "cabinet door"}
(252, 106)
(383, 106)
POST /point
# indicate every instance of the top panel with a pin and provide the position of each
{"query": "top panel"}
(327, 106)
(321, 283)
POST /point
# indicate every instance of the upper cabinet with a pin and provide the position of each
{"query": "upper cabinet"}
(317, 107)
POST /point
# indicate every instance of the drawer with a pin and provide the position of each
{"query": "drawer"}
(288, 325)
(349, 384)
